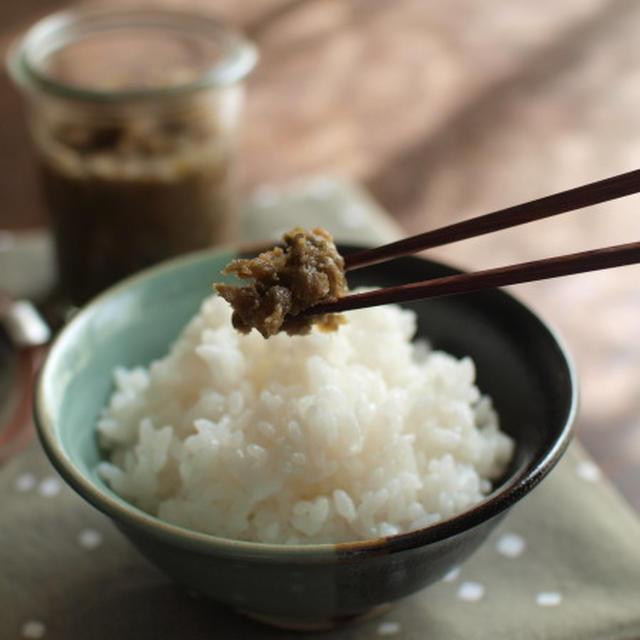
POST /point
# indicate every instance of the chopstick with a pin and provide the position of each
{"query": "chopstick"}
(586, 195)
(584, 261)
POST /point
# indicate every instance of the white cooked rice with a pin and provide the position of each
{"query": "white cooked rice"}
(324, 438)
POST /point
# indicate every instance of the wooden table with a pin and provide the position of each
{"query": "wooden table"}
(447, 110)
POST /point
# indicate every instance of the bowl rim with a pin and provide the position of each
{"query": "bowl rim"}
(130, 517)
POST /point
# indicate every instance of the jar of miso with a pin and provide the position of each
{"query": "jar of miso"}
(135, 118)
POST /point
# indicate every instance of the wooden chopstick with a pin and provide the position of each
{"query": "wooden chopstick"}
(584, 261)
(618, 186)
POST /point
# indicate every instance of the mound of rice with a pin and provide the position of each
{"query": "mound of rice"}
(324, 438)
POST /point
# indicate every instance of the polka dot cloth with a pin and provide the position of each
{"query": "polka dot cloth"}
(511, 548)
(89, 539)
(510, 545)
(471, 591)
(548, 598)
(452, 575)
(588, 471)
(388, 628)
(49, 487)
(25, 482)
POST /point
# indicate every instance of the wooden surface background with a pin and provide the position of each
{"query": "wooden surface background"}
(446, 110)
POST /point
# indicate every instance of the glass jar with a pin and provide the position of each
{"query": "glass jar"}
(135, 118)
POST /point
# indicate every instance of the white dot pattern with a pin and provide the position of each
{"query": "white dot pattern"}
(471, 591)
(33, 629)
(89, 538)
(25, 482)
(588, 471)
(451, 575)
(49, 487)
(388, 628)
(548, 598)
(511, 545)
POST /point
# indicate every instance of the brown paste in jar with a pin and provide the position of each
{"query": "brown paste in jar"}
(126, 195)
(287, 280)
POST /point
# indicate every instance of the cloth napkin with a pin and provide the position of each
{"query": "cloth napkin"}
(565, 563)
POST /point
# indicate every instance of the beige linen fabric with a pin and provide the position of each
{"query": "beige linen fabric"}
(565, 564)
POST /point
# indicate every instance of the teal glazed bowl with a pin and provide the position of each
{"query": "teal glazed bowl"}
(520, 363)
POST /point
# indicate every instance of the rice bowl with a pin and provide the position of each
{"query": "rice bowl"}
(520, 364)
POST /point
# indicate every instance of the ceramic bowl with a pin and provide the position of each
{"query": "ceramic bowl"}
(520, 363)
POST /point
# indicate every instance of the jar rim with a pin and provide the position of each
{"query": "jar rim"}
(54, 32)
